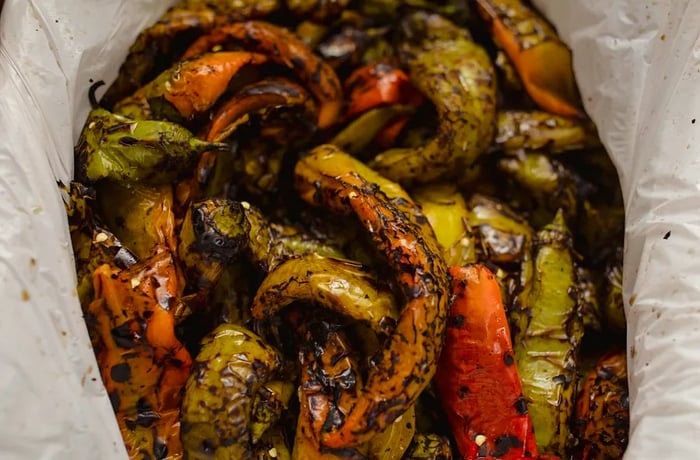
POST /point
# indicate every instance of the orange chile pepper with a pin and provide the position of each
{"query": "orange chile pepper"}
(477, 380)
(285, 48)
(143, 365)
(379, 84)
(542, 61)
(193, 86)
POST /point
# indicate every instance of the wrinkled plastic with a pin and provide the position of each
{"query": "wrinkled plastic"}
(638, 66)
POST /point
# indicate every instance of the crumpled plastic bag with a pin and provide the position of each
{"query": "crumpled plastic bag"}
(637, 63)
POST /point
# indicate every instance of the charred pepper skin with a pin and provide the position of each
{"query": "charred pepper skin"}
(429, 447)
(547, 342)
(541, 59)
(602, 410)
(406, 364)
(338, 285)
(232, 366)
(118, 148)
(477, 378)
(284, 48)
(457, 76)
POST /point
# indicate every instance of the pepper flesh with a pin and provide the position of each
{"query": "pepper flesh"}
(457, 76)
(406, 364)
(283, 47)
(477, 379)
(541, 59)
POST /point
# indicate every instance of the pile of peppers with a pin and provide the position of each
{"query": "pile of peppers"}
(352, 229)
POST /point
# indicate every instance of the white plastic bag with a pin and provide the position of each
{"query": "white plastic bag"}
(637, 63)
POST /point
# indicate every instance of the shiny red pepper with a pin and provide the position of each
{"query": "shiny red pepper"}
(477, 380)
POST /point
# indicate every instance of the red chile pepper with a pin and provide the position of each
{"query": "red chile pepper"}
(477, 380)
(379, 84)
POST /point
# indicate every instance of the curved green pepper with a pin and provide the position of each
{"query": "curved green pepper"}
(458, 77)
(339, 285)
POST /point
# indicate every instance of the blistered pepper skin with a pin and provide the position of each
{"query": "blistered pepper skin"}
(406, 364)
(457, 76)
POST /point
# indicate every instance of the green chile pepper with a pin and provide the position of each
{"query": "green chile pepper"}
(457, 76)
(232, 366)
(547, 341)
(118, 148)
(339, 285)
(549, 182)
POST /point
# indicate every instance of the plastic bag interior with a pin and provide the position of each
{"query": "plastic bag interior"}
(638, 67)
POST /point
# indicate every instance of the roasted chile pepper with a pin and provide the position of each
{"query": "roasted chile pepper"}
(141, 216)
(143, 365)
(547, 180)
(213, 233)
(457, 76)
(257, 98)
(525, 131)
(330, 378)
(373, 86)
(429, 447)
(282, 47)
(336, 162)
(192, 86)
(376, 84)
(477, 379)
(232, 366)
(269, 403)
(339, 285)
(406, 364)
(602, 410)
(216, 232)
(158, 45)
(117, 148)
(447, 212)
(381, 121)
(504, 239)
(541, 59)
(547, 340)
